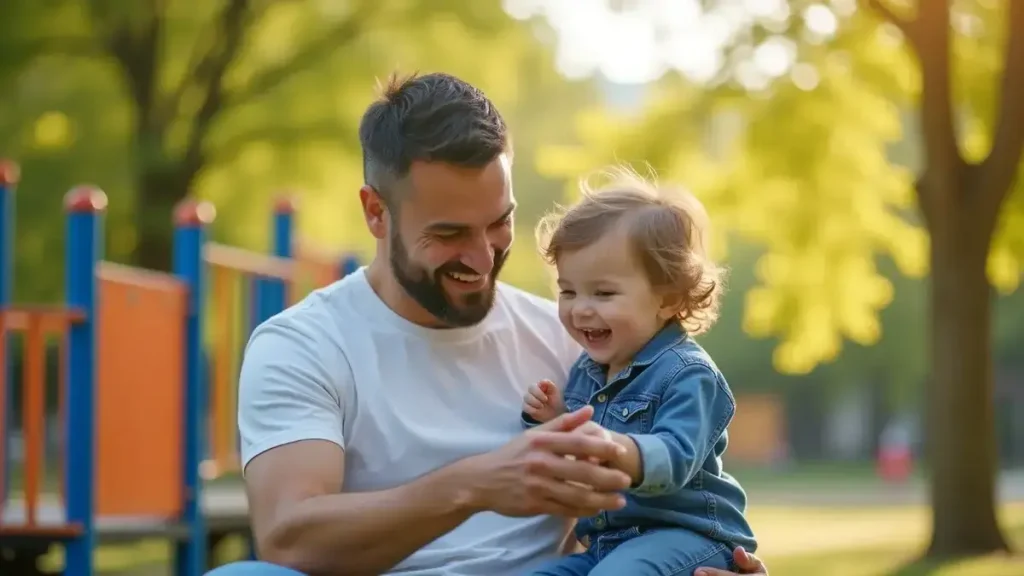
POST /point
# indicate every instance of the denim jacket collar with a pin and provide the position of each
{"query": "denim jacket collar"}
(668, 337)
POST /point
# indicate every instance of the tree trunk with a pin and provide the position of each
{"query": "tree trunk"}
(961, 437)
(159, 192)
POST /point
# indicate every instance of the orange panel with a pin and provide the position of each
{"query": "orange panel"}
(248, 262)
(315, 269)
(221, 415)
(758, 432)
(34, 391)
(140, 392)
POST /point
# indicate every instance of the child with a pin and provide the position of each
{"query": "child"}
(635, 285)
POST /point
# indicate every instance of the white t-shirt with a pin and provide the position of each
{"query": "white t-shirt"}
(403, 400)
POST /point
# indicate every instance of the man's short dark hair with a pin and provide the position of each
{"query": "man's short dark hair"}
(430, 118)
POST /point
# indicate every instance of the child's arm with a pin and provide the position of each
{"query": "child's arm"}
(696, 407)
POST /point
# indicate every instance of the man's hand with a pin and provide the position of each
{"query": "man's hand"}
(543, 402)
(746, 563)
(534, 474)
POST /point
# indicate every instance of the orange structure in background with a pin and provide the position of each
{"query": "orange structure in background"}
(140, 390)
(757, 435)
(36, 324)
(134, 391)
(245, 289)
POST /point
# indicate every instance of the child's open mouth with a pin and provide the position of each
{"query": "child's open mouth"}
(596, 335)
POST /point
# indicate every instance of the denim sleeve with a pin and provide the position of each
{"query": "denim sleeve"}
(528, 421)
(695, 409)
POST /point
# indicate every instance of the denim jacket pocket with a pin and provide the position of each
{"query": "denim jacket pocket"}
(631, 416)
(574, 402)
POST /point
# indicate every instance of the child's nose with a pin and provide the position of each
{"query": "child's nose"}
(582, 310)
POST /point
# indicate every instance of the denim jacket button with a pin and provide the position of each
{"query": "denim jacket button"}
(601, 397)
(625, 411)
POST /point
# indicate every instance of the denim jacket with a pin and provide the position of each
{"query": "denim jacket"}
(673, 401)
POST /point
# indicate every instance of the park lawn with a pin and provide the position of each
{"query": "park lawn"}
(839, 541)
(881, 541)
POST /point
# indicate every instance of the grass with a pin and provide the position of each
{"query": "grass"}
(825, 476)
(882, 541)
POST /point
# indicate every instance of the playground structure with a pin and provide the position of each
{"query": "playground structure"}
(145, 409)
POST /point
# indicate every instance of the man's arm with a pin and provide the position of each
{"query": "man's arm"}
(300, 519)
(695, 409)
(293, 398)
(295, 390)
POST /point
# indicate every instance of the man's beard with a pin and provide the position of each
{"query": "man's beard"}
(428, 290)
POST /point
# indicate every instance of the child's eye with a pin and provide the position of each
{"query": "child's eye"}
(566, 294)
(601, 294)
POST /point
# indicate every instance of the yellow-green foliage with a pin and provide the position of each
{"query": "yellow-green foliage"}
(822, 177)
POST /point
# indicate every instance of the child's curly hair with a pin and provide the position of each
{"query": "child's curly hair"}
(668, 231)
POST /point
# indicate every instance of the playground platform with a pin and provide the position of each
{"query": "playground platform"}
(224, 506)
(145, 385)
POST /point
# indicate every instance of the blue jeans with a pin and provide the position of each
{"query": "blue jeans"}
(662, 552)
(252, 568)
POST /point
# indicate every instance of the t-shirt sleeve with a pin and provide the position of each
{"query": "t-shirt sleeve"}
(293, 386)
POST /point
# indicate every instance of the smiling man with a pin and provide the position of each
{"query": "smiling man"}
(379, 417)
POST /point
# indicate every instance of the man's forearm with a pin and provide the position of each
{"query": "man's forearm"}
(368, 533)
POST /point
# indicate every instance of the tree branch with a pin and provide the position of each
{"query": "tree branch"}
(201, 53)
(231, 27)
(313, 51)
(943, 163)
(907, 26)
(198, 61)
(999, 169)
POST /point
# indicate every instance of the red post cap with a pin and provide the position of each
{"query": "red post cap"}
(10, 173)
(285, 204)
(192, 212)
(85, 199)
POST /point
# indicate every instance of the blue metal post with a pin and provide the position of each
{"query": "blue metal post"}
(190, 221)
(284, 224)
(349, 264)
(83, 249)
(270, 295)
(8, 183)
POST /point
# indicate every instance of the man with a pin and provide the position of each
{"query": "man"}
(379, 417)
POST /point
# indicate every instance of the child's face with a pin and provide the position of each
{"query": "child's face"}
(606, 302)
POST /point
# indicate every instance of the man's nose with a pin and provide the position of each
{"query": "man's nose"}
(480, 258)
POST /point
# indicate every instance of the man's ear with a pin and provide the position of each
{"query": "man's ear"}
(374, 211)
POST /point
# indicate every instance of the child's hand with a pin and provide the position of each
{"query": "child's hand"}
(543, 401)
(594, 429)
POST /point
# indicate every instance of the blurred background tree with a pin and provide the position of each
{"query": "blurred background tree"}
(232, 100)
(802, 121)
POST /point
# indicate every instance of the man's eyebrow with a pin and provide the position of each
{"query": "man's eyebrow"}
(508, 212)
(461, 226)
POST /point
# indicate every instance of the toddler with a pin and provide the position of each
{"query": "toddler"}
(635, 285)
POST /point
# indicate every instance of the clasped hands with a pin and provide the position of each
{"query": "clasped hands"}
(557, 468)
